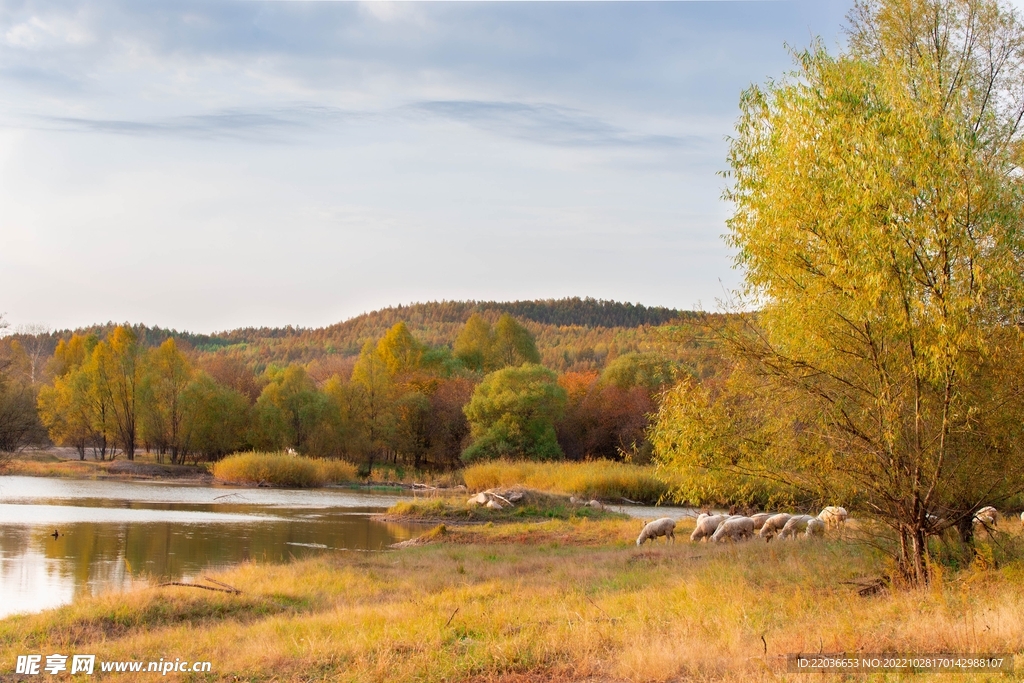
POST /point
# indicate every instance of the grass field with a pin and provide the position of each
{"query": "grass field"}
(551, 601)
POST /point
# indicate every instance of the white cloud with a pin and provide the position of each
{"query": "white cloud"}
(37, 33)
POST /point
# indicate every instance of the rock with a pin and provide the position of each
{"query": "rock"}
(480, 499)
(574, 500)
(494, 505)
(515, 496)
(596, 504)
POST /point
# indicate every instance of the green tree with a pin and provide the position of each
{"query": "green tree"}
(289, 409)
(513, 344)
(474, 343)
(647, 370)
(512, 414)
(166, 408)
(877, 224)
(219, 422)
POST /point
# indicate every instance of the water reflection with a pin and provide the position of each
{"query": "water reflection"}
(112, 535)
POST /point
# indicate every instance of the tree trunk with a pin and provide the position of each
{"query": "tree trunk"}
(965, 526)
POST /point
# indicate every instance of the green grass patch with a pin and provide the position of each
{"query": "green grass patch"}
(282, 469)
(534, 506)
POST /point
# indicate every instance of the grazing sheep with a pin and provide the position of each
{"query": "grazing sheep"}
(796, 524)
(773, 525)
(735, 528)
(833, 516)
(987, 515)
(706, 527)
(815, 527)
(760, 518)
(986, 518)
(666, 526)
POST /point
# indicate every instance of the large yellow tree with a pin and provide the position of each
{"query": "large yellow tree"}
(878, 215)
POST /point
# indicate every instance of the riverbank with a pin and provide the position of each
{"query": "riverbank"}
(125, 470)
(552, 601)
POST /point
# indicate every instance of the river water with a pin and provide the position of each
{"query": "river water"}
(115, 535)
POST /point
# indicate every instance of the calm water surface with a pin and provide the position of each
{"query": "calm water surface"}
(114, 535)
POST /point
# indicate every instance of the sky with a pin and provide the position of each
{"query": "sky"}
(207, 165)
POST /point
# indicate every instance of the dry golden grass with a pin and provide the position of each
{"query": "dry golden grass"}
(544, 602)
(593, 479)
(282, 469)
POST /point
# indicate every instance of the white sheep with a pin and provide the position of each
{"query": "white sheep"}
(773, 525)
(815, 527)
(986, 518)
(706, 527)
(796, 524)
(735, 528)
(715, 536)
(666, 526)
(760, 518)
(833, 516)
(987, 515)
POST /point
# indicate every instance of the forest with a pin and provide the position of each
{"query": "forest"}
(431, 385)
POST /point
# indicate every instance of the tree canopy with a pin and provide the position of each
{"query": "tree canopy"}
(512, 414)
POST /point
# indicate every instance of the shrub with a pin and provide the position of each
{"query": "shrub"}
(281, 469)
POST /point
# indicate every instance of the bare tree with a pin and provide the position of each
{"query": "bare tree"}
(35, 340)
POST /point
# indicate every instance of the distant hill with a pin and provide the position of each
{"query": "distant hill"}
(571, 333)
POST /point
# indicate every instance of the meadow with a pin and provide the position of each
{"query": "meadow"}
(564, 600)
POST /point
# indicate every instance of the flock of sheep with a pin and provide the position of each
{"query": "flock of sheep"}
(716, 528)
(766, 525)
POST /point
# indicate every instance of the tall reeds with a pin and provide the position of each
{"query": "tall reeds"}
(282, 469)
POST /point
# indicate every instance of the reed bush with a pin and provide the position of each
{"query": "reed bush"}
(282, 469)
(592, 479)
(336, 471)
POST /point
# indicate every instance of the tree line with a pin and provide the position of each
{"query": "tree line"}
(400, 400)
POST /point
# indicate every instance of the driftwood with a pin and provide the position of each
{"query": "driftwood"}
(221, 583)
(501, 498)
(233, 591)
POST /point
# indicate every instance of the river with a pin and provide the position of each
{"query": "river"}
(113, 535)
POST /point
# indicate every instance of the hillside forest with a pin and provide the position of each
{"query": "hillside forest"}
(432, 386)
